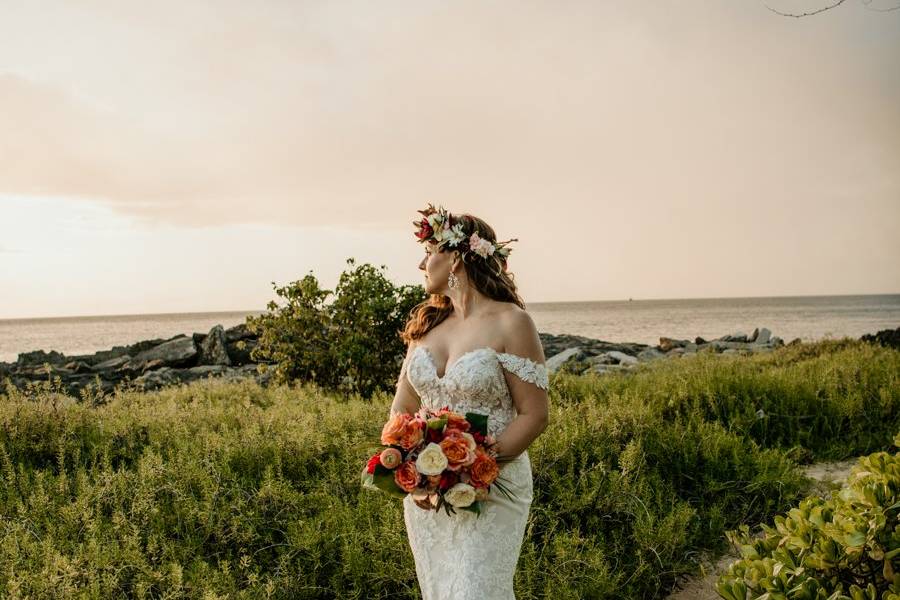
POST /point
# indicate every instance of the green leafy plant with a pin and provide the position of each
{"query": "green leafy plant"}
(842, 548)
(350, 344)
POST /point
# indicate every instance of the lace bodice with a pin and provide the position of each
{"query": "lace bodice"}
(462, 556)
(473, 382)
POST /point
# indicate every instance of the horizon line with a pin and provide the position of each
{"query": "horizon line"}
(244, 311)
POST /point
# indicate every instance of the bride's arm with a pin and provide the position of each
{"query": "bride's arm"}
(531, 401)
(405, 399)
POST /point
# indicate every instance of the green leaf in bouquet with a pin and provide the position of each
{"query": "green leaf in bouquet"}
(478, 422)
(437, 423)
(475, 507)
(384, 481)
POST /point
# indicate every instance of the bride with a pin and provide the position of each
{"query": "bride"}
(472, 347)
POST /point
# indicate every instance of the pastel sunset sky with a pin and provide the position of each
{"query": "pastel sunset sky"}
(174, 156)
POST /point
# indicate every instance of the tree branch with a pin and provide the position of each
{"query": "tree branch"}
(806, 14)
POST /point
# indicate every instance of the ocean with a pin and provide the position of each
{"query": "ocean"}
(806, 317)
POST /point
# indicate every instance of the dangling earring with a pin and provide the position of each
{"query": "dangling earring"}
(452, 281)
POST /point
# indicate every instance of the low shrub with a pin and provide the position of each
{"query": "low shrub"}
(846, 547)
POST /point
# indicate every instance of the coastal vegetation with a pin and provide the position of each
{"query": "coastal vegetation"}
(228, 489)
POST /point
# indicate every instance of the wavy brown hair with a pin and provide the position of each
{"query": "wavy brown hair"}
(488, 275)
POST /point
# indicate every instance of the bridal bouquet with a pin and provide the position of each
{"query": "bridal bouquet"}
(441, 456)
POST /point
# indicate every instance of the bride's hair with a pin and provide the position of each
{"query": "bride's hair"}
(488, 275)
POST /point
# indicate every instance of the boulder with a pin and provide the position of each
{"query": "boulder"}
(699, 340)
(78, 366)
(624, 359)
(649, 354)
(213, 349)
(889, 338)
(153, 380)
(203, 371)
(601, 359)
(763, 336)
(177, 352)
(239, 351)
(239, 332)
(112, 364)
(556, 361)
(39, 357)
(666, 344)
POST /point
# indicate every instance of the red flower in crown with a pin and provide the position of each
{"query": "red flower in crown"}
(425, 230)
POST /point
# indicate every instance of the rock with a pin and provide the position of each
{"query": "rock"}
(557, 360)
(777, 341)
(177, 352)
(753, 335)
(699, 340)
(601, 359)
(239, 351)
(889, 338)
(78, 366)
(213, 350)
(112, 364)
(154, 380)
(203, 371)
(239, 332)
(666, 344)
(623, 358)
(39, 357)
(649, 354)
(795, 342)
(763, 336)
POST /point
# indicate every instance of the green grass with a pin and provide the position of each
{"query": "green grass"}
(232, 490)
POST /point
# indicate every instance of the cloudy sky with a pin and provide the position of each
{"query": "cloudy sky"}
(181, 156)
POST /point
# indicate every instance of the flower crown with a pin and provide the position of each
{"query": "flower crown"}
(439, 226)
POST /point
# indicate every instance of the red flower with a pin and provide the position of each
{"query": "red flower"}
(448, 480)
(373, 462)
(425, 230)
(434, 435)
(479, 438)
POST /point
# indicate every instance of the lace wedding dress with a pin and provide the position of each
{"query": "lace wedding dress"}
(467, 556)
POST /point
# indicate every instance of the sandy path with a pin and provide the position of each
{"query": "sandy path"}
(704, 587)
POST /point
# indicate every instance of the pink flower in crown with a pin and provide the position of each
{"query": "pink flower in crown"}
(481, 247)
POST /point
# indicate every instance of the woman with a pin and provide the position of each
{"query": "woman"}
(472, 347)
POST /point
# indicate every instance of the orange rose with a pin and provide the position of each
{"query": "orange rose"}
(454, 420)
(413, 435)
(396, 425)
(458, 448)
(406, 476)
(402, 429)
(484, 470)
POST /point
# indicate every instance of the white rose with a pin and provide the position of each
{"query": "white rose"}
(460, 495)
(431, 460)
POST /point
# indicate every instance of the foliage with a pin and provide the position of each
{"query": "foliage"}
(219, 489)
(834, 398)
(350, 344)
(842, 548)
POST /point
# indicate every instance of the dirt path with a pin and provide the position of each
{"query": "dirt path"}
(704, 587)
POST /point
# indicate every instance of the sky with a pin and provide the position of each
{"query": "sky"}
(183, 156)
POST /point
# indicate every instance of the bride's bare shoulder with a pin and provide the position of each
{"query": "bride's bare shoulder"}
(520, 334)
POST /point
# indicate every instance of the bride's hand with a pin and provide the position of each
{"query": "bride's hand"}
(423, 502)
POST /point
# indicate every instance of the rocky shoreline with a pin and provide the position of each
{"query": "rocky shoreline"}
(153, 364)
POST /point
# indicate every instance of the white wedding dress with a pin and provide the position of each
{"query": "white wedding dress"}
(467, 556)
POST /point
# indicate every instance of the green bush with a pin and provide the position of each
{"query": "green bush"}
(842, 548)
(350, 344)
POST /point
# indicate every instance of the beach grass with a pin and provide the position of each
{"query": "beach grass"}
(232, 490)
